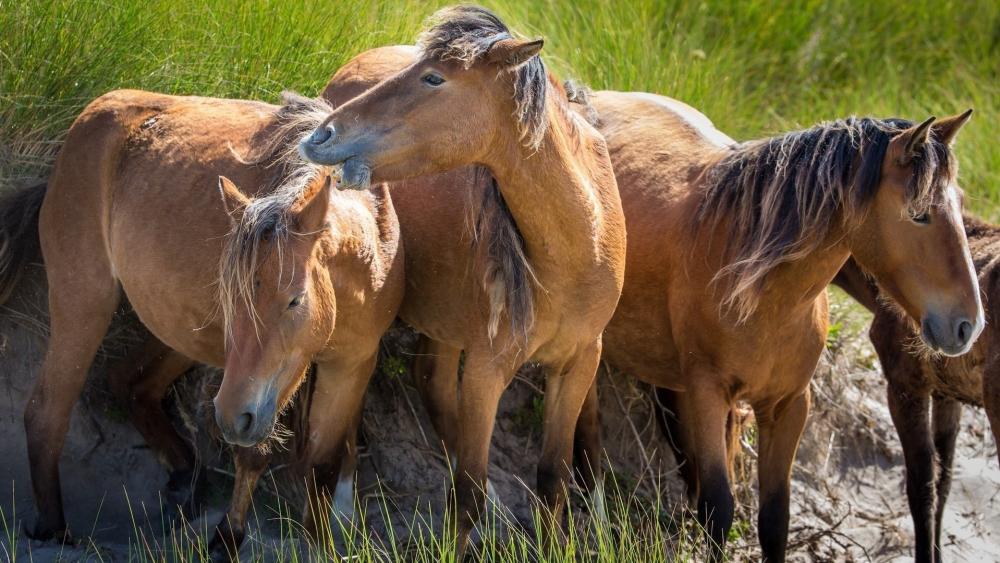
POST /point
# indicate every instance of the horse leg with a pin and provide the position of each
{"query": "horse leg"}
(670, 424)
(587, 452)
(991, 397)
(947, 417)
(229, 533)
(435, 373)
(331, 453)
(141, 383)
(82, 303)
(566, 391)
(124, 373)
(780, 430)
(703, 412)
(483, 382)
(909, 410)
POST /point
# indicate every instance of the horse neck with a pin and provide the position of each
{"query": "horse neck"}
(791, 285)
(562, 195)
(797, 284)
(363, 234)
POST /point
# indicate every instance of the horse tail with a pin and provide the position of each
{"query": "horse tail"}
(19, 243)
(508, 279)
(736, 422)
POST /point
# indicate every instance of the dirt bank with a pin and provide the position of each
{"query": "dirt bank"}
(848, 502)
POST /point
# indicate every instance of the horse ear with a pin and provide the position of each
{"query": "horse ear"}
(913, 140)
(513, 52)
(233, 200)
(946, 129)
(312, 216)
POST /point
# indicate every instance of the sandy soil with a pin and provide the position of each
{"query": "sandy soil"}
(848, 500)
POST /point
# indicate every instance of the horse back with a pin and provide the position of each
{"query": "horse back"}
(366, 70)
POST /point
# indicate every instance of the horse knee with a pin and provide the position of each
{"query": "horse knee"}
(991, 400)
(45, 421)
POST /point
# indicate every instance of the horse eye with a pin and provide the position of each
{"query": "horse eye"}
(295, 302)
(433, 79)
(922, 219)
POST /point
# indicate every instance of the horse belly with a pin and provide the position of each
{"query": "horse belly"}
(167, 263)
(189, 326)
(643, 349)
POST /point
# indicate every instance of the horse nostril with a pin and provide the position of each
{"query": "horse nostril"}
(964, 331)
(322, 135)
(243, 423)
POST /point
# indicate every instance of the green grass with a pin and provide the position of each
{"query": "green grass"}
(755, 67)
(638, 529)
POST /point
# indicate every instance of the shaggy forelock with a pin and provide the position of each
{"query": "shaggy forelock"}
(782, 195)
(265, 224)
(465, 34)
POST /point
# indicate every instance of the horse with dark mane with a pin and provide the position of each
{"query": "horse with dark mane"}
(926, 390)
(731, 247)
(263, 282)
(516, 256)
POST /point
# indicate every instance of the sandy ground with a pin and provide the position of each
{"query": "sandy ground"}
(848, 500)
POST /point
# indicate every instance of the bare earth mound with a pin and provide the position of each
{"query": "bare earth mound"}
(848, 499)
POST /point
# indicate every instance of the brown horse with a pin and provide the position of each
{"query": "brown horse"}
(926, 390)
(545, 272)
(676, 326)
(731, 247)
(263, 283)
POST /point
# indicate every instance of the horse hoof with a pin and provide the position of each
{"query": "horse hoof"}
(185, 491)
(220, 552)
(220, 555)
(42, 532)
(225, 544)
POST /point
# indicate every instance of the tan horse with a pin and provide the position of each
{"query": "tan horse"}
(133, 208)
(731, 247)
(925, 391)
(545, 276)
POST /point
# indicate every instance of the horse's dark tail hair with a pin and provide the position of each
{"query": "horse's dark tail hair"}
(19, 244)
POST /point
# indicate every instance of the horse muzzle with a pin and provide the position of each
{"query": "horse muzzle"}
(251, 424)
(323, 147)
(326, 147)
(951, 335)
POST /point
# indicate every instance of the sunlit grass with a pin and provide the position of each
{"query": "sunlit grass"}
(755, 68)
(638, 529)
